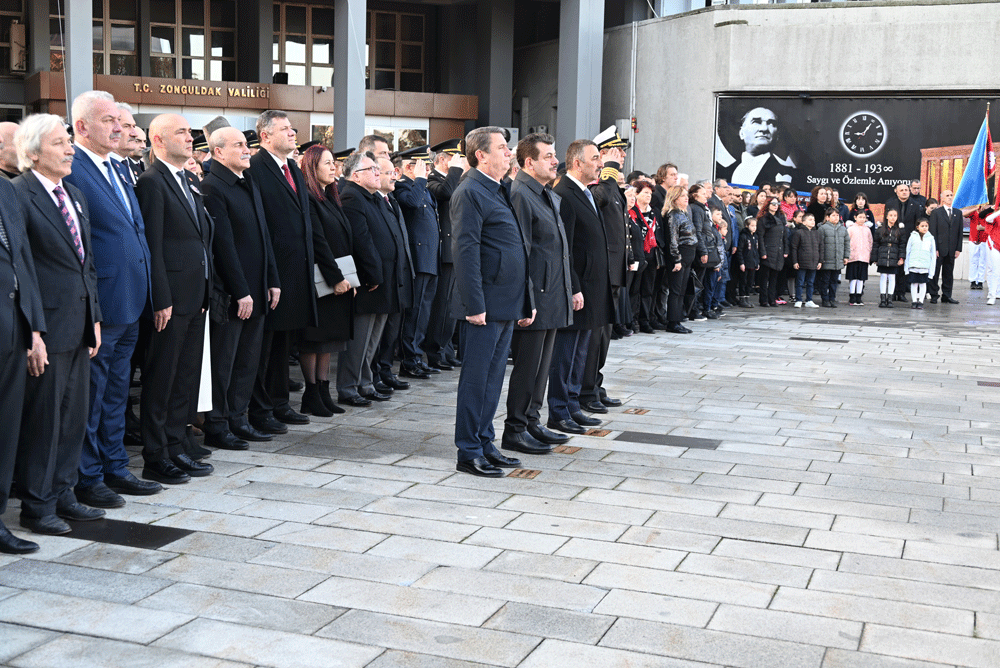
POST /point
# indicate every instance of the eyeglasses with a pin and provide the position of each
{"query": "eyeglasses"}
(375, 170)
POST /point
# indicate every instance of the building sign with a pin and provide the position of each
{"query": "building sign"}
(176, 88)
(851, 144)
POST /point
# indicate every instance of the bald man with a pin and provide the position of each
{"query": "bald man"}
(179, 234)
(8, 154)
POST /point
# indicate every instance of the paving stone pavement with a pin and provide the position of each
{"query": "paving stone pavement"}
(848, 517)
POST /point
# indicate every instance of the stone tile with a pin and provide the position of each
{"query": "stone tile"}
(561, 654)
(608, 467)
(449, 512)
(19, 639)
(952, 554)
(927, 646)
(987, 626)
(239, 607)
(87, 652)
(567, 526)
(253, 578)
(84, 582)
(219, 546)
(746, 483)
(542, 565)
(396, 659)
(777, 554)
(704, 492)
(427, 604)
(839, 658)
(949, 596)
(790, 626)
(435, 552)
(852, 508)
(70, 614)
(232, 525)
(636, 500)
(284, 511)
(870, 609)
(264, 475)
(183, 497)
(380, 487)
(656, 608)
(515, 486)
(710, 646)
(794, 518)
(266, 647)
(575, 509)
(687, 541)
(386, 472)
(621, 553)
(909, 531)
(448, 640)
(394, 524)
(670, 583)
(321, 536)
(575, 478)
(840, 541)
(726, 528)
(334, 498)
(344, 564)
(529, 619)
(117, 558)
(518, 588)
(874, 497)
(525, 541)
(908, 569)
(746, 570)
(254, 457)
(458, 495)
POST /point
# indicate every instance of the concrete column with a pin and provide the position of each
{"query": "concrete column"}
(349, 75)
(38, 36)
(79, 49)
(581, 59)
(496, 73)
(255, 22)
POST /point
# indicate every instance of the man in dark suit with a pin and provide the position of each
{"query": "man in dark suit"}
(590, 275)
(121, 256)
(247, 279)
(54, 417)
(946, 227)
(384, 381)
(537, 211)
(286, 206)
(420, 212)
(23, 321)
(493, 293)
(381, 260)
(179, 234)
(449, 166)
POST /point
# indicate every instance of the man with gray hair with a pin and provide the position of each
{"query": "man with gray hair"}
(493, 293)
(54, 419)
(130, 146)
(286, 207)
(8, 154)
(121, 256)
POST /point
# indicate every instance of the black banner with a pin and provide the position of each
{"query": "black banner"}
(851, 144)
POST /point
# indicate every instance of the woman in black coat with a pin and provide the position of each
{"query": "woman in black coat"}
(651, 226)
(685, 246)
(774, 247)
(331, 230)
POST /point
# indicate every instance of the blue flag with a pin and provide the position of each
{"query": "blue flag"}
(982, 163)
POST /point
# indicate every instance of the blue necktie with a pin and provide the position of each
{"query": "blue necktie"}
(590, 197)
(115, 187)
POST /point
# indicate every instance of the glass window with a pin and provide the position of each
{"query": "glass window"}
(411, 81)
(193, 42)
(161, 40)
(385, 55)
(162, 11)
(123, 65)
(321, 76)
(193, 12)
(223, 14)
(193, 68)
(121, 10)
(55, 33)
(223, 44)
(322, 51)
(164, 68)
(322, 21)
(122, 38)
(98, 36)
(96, 9)
(295, 19)
(295, 48)
(296, 74)
(412, 27)
(275, 45)
(99, 63)
(385, 80)
(222, 70)
(413, 55)
(385, 26)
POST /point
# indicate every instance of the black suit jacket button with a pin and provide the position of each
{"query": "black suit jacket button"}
(12, 295)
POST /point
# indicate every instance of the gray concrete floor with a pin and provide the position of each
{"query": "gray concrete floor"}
(848, 519)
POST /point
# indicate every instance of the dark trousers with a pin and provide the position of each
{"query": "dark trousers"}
(532, 351)
(945, 271)
(591, 390)
(13, 371)
(391, 332)
(826, 281)
(354, 364)
(441, 326)
(734, 283)
(270, 388)
(484, 360)
(747, 279)
(634, 291)
(569, 356)
(110, 372)
(646, 311)
(235, 359)
(170, 378)
(677, 285)
(54, 420)
(768, 284)
(662, 291)
(696, 286)
(417, 318)
(804, 282)
(902, 283)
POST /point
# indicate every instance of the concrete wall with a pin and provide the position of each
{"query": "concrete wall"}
(838, 48)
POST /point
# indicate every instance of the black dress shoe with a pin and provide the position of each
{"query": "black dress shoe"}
(500, 461)
(948, 300)
(543, 435)
(11, 544)
(49, 525)
(455, 362)
(191, 467)
(611, 401)
(376, 396)
(413, 372)
(426, 369)
(479, 466)
(126, 483)
(396, 383)
(192, 449)
(382, 388)
(524, 442)
(79, 513)
(164, 471)
(585, 420)
(357, 402)
(440, 364)
(567, 426)
(99, 496)
(245, 432)
(594, 407)
(295, 385)
(226, 440)
(934, 300)
(288, 416)
(677, 328)
(268, 425)
(132, 438)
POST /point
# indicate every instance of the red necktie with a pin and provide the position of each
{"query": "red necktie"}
(288, 177)
(61, 196)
